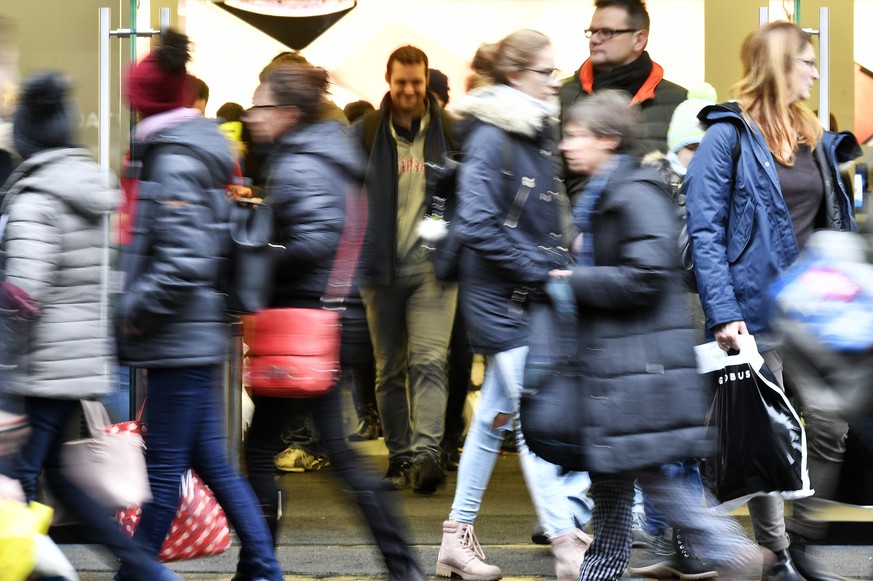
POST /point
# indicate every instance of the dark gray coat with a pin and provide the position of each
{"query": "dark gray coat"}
(171, 313)
(645, 405)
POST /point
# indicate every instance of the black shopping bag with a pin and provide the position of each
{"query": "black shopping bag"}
(761, 441)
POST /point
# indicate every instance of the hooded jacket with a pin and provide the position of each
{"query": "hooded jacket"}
(379, 254)
(172, 311)
(312, 170)
(644, 404)
(56, 202)
(741, 233)
(509, 227)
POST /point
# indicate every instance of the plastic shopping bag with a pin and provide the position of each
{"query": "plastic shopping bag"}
(19, 526)
(761, 441)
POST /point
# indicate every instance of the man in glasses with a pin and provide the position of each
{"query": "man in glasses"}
(617, 39)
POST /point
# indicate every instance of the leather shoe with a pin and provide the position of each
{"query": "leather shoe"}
(809, 567)
(427, 473)
(398, 475)
(782, 569)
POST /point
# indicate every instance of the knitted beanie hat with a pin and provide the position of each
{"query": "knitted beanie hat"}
(44, 117)
(157, 83)
(439, 84)
(685, 128)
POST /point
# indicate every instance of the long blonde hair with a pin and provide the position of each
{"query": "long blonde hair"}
(767, 56)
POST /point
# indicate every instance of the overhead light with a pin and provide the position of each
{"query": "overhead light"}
(293, 8)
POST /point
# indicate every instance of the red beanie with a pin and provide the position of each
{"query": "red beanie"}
(157, 83)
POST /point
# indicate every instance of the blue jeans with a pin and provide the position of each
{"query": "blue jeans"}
(411, 326)
(501, 391)
(185, 429)
(686, 470)
(48, 423)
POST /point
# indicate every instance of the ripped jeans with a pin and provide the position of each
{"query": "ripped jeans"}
(496, 414)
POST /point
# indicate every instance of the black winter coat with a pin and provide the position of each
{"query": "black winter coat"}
(646, 405)
(312, 169)
(172, 313)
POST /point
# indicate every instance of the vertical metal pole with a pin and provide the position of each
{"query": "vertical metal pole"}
(824, 68)
(165, 19)
(103, 98)
(763, 15)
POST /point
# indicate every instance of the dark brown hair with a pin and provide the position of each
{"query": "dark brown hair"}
(301, 86)
(407, 55)
(637, 15)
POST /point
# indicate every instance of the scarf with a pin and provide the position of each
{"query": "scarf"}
(638, 78)
(583, 211)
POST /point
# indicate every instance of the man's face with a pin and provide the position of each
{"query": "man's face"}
(623, 48)
(408, 87)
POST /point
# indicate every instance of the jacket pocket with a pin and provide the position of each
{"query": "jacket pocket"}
(741, 228)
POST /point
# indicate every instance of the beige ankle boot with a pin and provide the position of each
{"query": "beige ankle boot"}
(569, 550)
(460, 554)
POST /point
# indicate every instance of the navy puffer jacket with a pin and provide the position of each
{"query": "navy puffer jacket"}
(311, 170)
(172, 313)
(509, 225)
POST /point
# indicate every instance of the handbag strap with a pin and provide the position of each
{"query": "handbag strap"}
(345, 262)
(96, 417)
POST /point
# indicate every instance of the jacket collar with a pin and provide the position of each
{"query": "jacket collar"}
(646, 92)
(508, 109)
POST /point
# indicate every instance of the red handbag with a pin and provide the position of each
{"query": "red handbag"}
(295, 352)
(200, 526)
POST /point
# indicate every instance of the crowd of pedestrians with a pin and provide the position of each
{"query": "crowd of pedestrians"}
(566, 195)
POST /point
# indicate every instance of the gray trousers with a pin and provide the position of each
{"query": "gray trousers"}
(826, 446)
(410, 327)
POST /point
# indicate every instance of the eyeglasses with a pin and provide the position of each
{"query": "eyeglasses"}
(254, 108)
(809, 63)
(552, 74)
(606, 33)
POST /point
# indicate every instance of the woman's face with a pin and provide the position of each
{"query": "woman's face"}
(266, 120)
(802, 74)
(540, 80)
(583, 151)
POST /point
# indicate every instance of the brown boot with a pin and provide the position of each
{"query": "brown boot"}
(569, 550)
(460, 554)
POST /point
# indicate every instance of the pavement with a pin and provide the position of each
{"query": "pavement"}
(321, 535)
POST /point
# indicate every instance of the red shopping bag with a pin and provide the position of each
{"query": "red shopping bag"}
(199, 528)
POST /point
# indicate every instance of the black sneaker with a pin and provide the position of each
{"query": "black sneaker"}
(397, 477)
(689, 567)
(538, 535)
(658, 559)
(367, 430)
(427, 473)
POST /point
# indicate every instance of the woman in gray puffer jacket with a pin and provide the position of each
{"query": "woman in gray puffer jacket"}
(57, 203)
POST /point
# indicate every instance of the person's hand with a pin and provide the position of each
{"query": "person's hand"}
(10, 489)
(238, 192)
(560, 273)
(726, 334)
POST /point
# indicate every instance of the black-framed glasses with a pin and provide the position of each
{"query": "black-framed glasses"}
(809, 63)
(263, 107)
(607, 33)
(552, 74)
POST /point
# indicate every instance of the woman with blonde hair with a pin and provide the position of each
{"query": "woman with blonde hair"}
(508, 217)
(749, 218)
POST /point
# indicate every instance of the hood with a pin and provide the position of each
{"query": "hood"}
(329, 140)
(197, 133)
(71, 175)
(508, 109)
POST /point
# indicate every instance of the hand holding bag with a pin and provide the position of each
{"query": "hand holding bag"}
(761, 441)
(110, 467)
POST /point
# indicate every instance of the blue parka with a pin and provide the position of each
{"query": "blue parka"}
(508, 215)
(741, 232)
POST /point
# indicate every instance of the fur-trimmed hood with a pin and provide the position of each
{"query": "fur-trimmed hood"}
(508, 109)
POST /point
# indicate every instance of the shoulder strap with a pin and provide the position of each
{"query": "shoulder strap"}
(345, 262)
